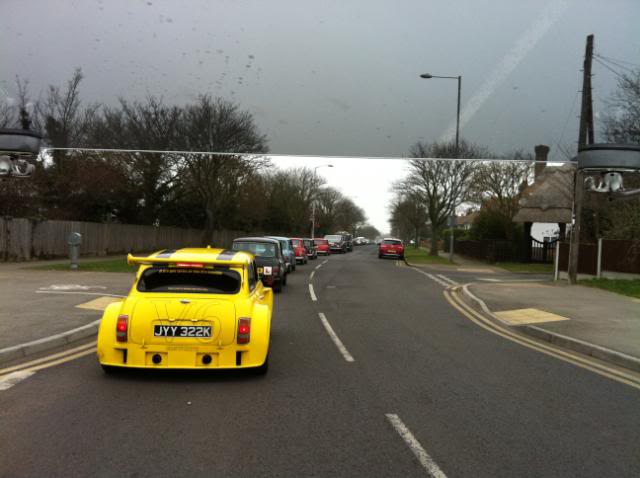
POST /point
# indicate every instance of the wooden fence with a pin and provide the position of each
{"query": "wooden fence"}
(617, 256)
(26, 239)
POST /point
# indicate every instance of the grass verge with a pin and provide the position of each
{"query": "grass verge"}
(628, 287)
(109, 265)
(421, 256)
(532, 268)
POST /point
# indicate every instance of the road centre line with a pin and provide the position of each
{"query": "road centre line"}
(421, 454)
(14, 378)
(312, 293)
(336, 340)
(324, 262)
(311, 275)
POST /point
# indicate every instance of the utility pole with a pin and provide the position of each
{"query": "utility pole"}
(585, 136)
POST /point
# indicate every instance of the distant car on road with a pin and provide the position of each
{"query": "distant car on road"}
(189, 309)
(336, 243)
(391, 247)
(310, 246)
(348, 240)
(272, 269)
(299, 250)
(322, 246)
(287, 250)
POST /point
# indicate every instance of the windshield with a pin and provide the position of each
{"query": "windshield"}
(259, 249)
(320, 242)
(392, 242)
(190, 281)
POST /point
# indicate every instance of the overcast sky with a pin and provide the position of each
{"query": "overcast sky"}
(336, 77)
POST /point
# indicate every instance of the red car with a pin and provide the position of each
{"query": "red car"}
(391, 247)
(322, 246)
(299, 250)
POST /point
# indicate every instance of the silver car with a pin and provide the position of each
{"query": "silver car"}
(287, 250)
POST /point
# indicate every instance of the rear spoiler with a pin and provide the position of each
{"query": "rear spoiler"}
(150, 261)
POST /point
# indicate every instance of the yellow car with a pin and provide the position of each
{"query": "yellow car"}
(190, 309)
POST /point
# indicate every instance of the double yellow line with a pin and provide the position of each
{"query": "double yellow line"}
(614, 373)
(51, 360)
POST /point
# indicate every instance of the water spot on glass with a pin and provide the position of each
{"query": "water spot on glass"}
(251, 56)
(220, 51)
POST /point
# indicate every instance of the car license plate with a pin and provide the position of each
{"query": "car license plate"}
(391, 251)
(182, 330)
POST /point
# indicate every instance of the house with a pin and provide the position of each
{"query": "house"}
(548, 200)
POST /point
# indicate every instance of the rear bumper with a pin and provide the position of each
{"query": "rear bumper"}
(391, 254)
(229, 357)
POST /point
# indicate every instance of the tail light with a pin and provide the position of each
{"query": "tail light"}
(122, 326)
(244, 330)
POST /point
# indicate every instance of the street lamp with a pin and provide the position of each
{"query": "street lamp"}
(452, 219)
(313, 199)
(427, 76)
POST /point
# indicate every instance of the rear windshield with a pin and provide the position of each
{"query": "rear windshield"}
(392, 242)
(189, 281)
(296, 242)
(259, 249)
(334, 237)
(318, 242)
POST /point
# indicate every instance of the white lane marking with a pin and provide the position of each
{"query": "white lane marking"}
(68, 287)
(433, 278)
(312, 293)
(319, 266)
(488, 279)
(99, 294)
(421, 454)
(10, 380)
(325, 261)
(445, 278)
(336, 340)
(311, 275)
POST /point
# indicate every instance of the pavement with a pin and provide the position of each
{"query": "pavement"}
(588, 315)
(40, 306)
(428, 392)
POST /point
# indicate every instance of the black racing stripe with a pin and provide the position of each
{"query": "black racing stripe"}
(226, 255)
(166, 254)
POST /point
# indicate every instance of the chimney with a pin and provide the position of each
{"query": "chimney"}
(542, 151)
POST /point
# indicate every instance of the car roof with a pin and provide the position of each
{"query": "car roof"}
(265, 240)
(391, 239)
(280, 238)
(206, 255)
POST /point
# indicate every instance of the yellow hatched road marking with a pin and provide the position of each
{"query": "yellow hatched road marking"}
(100, 303)
(631, 379)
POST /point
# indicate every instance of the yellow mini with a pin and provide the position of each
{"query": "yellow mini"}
(190, 309)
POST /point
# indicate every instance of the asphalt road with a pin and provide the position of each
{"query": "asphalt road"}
(473, 404)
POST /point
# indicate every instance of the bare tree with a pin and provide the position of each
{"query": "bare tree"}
(445, 184)
(497, 185)
(408, 215)
(622, 122)
(219, 126)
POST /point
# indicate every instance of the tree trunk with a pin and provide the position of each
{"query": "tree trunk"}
(434, 242)
(209, 224)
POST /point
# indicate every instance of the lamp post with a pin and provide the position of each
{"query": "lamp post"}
(313, 199)
(427, 76)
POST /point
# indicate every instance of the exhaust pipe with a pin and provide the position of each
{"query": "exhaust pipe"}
(206, 359)
(156, 359)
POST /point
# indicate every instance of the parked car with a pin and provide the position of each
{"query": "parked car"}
(287, 250)
(391, 247)
(337, 244)
(309, 245)
(299, 250)
(348, 240)
(189, 309)
(272, 269)
(322, 246)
